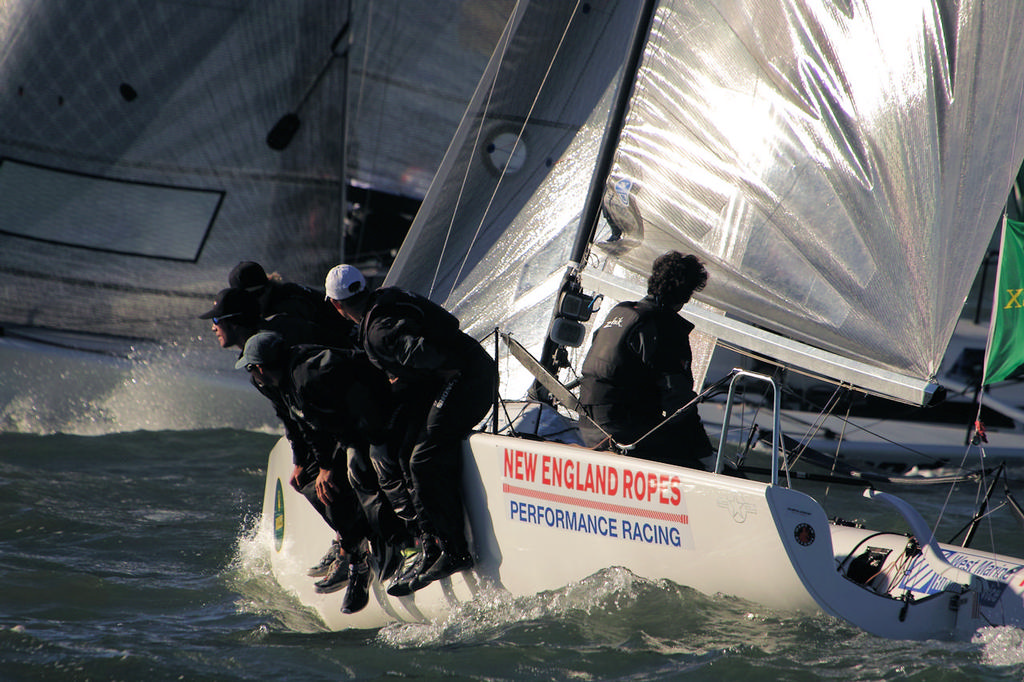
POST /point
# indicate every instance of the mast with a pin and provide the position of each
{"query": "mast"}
(606, 153)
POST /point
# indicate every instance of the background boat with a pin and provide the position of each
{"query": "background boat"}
(136, 171)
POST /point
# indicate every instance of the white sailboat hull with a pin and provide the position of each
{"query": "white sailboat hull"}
(543, 515)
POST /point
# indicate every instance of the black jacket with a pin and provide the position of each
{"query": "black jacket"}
(638, 371)
(301, 302)
(640, 353)
(330, 399)
(414, 339)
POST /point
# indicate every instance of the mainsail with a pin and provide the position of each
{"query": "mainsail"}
(839, 166)
(134, 171)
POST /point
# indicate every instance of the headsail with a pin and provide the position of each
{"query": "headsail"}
(497, 225)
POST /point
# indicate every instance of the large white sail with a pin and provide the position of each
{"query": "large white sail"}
(839, 166)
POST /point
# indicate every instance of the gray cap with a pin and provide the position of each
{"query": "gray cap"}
(265, 348)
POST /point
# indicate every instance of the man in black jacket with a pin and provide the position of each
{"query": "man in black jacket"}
(275, 296)
(445, 382)
(334, 405)
(638, 372)
(236, 317)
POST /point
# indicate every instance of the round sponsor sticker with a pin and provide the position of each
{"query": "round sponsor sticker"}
(804, 534)
(278, 517)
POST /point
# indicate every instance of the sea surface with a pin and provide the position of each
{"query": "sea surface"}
(139, 556)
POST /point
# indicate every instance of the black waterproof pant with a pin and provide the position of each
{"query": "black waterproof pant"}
(391, 460)
(383, 521)
(435, 463)
(344, 513)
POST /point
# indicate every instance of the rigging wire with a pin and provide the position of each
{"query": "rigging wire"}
(515, 145)
(504, 42)
(924, 457)
(842, 435)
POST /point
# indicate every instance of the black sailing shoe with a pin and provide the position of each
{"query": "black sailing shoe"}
(399, 585)
(427, 553)
(447, 564)
(357, 595)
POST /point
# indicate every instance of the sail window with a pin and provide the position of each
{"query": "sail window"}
(101, 214)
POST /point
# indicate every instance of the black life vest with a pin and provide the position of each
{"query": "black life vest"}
(628, 389)
(614, 371)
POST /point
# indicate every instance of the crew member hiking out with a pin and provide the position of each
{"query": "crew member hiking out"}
(336, 404)
(276, 296)
(446, 381)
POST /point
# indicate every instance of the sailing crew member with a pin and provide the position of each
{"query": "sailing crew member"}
(276, 296)
(337, 404)
(444, 382)
(235, 317)
(638, 372)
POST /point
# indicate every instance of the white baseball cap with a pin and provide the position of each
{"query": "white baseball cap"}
(344, 281)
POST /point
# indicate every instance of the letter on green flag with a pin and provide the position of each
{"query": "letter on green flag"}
(1006, 349)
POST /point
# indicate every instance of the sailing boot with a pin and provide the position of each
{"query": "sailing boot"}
(453, 559)
(358, 593)
(424, 555)
(323, 567)
(392, 555)
(399, 585)
(336, 578)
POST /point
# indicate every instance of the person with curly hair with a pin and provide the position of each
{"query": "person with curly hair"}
(637, 371)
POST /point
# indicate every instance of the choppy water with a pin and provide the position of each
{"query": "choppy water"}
(136, 556)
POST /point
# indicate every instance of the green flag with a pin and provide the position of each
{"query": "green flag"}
(1006, 343)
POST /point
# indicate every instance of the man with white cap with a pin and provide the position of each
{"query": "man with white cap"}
(445, 383)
